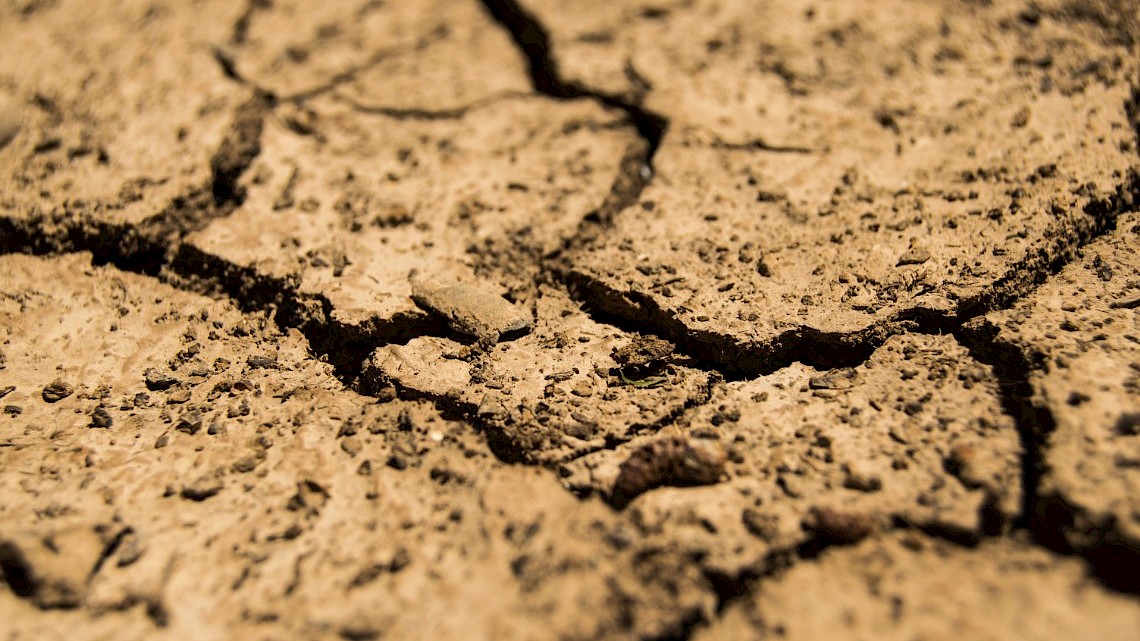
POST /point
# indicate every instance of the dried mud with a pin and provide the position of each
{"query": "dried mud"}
(569, 320)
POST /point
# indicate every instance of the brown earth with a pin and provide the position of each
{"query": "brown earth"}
(558, 319)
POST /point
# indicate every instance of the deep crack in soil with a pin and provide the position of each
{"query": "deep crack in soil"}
(1045, 517)
(533, 41)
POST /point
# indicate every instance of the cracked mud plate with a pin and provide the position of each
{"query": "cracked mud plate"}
(776, 320)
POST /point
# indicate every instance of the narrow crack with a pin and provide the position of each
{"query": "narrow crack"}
(636, 310)
(226, 57)
(108, 551)
(349, 74)
(759, 144)
(345, 347)
(242, 24)
(144, 247)
(533, 41)
(1046, 517)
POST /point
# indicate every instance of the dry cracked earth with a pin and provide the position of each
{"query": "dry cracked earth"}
(563, 319)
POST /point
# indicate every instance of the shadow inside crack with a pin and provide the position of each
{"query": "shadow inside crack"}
(1051, 521)
(533, 41)
(16, 572)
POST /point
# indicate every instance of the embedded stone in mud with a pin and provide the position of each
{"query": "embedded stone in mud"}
(470, 310)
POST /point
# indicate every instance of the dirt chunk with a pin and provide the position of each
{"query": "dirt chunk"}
(426, 190)
(157, 380)
(643, 351)
(803, 463)
(470, 310)
(101, 418)
(56, 391)
(677, 461)
(80, 149)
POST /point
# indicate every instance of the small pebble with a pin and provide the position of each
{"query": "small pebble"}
(913, 257)
(862, 478)
(156, 380)
(57, 391)
(190, 422)
(203, 488)
(836, 526)
(101, 418)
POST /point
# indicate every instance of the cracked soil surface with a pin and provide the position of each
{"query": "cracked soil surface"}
(565, 319)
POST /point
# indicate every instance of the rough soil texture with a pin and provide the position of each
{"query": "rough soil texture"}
(554, 319)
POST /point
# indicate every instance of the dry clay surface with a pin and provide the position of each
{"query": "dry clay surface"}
(569, 320)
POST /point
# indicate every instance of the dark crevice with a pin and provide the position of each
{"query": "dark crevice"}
(144, 248)
(633, 174)
(533, 41)
(1061, 247)
(109, 243)
(1011, 367)
(730, 588)
(108, 550)
(1052, 522)
(344, 347)
(241, 26)
(17, 574)
(640, 311)
(237, 152)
